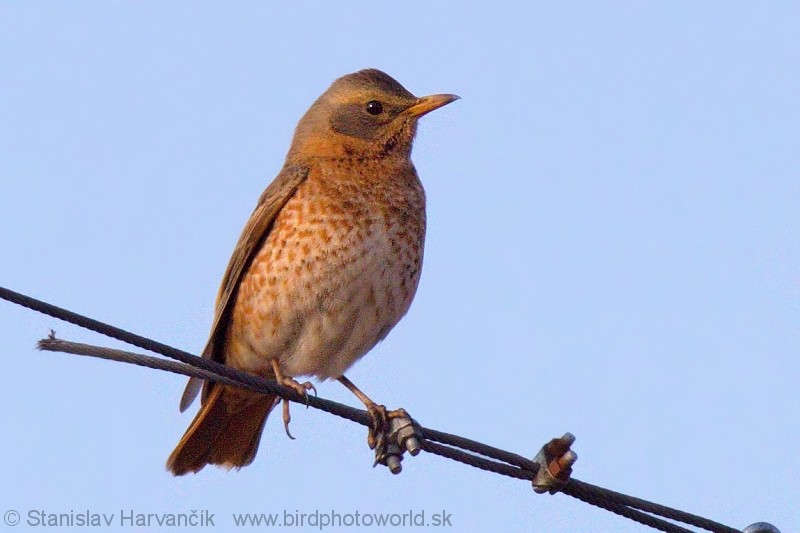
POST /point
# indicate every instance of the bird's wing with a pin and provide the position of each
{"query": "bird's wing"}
(254, 234)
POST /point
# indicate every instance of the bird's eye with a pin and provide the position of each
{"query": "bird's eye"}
(374, 107)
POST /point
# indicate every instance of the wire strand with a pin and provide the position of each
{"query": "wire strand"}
(443, 444)
(580, 490)
(575, 488)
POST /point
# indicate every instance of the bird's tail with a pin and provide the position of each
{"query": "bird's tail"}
(226, 431)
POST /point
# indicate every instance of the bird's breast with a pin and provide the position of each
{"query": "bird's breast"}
(338, 270)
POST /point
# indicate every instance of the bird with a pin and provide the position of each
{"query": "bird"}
(326, 266)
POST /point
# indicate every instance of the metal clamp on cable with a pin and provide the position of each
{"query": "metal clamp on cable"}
(404, 435)
(555, 464)
(761, 527)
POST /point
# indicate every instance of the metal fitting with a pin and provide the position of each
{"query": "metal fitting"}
(393, 457)
(403, 431)
(761, 527)
(403, 436)
(555, 464)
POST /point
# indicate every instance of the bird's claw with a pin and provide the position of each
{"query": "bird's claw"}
(380, 423)
(378, 427)
(301, 389)
(287, 418)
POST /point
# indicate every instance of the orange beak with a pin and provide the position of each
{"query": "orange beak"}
(426, 104)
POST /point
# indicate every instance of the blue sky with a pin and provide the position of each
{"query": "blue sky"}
(612, 249)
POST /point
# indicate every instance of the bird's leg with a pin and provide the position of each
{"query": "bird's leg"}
(300, 388)
(379, 416)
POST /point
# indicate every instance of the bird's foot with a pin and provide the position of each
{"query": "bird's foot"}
(300, 388)
(378, 426)
(288, 381)
(391, 433)
(380, 423)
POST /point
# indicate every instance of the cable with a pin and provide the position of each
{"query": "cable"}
(263, 386)
(578, 489)
(581, 489)
(436, 442)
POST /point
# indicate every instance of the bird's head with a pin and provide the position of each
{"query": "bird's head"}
(367, 114)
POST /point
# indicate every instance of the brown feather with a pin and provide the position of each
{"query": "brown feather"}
(226, 431)
(257, 229)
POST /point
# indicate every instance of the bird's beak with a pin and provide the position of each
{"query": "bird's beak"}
(426, 104)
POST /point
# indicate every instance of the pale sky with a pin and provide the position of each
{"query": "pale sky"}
(612, 250)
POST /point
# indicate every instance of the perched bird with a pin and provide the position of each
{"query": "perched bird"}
(327, 264)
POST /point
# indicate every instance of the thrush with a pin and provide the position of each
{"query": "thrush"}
(326, 266)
